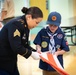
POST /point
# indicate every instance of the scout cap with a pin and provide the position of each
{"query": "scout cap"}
(54, 18)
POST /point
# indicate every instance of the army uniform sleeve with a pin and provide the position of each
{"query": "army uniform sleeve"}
(30, 48)
(14, 37)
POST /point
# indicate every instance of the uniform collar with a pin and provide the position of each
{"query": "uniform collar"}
(24, 19)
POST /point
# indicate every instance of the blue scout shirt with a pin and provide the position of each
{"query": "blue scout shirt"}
(43, 40)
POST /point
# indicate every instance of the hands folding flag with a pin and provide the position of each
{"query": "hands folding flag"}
(52, 60)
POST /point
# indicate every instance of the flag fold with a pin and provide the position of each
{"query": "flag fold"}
(52, 60)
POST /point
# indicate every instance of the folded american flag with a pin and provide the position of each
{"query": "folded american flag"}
(52, 60)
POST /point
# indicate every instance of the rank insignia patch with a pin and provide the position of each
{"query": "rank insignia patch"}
(17, 33)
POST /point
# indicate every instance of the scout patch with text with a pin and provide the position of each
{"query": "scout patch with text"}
(59, 36)
(16, 33)
(58, 46)
(44, 44)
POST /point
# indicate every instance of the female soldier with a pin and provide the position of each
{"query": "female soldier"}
(51, 39)
(14, 40)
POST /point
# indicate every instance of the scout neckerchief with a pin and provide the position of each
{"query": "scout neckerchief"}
(52, 41)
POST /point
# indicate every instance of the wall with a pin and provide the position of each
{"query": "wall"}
(19, 4)
(74, 7)
(42, 5)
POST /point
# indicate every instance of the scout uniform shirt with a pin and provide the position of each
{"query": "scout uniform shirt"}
(43, 40)
(14, 40)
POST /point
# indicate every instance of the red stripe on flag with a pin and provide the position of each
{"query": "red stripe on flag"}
(50, 58)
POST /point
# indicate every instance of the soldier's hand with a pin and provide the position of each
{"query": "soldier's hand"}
(35, 55)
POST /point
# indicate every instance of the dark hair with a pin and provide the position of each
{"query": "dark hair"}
(34, 11)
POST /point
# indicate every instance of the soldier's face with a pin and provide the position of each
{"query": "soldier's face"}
(53, 28)
(34, 22)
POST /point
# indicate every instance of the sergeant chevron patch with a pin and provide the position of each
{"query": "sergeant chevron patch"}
(16, 33)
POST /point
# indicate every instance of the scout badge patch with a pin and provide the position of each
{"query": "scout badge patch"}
(44, 44)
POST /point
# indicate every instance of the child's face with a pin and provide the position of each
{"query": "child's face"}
(53, 28)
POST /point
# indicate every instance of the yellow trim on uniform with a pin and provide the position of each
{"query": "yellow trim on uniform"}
(25, 52)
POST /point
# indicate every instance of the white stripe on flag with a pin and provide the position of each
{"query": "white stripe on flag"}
(57, 62)
(44, 54)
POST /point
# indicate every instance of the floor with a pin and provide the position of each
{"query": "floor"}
(30, 66)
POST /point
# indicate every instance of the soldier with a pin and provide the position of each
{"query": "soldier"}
(14, 40)
(51, 39)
